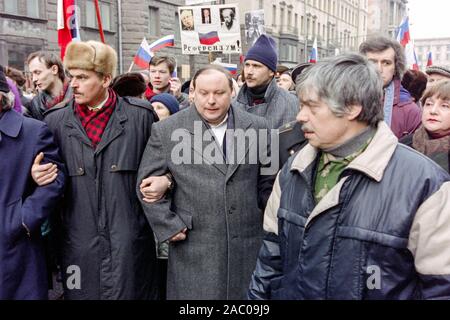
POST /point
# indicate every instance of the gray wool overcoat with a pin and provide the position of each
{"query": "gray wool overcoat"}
(219, 204)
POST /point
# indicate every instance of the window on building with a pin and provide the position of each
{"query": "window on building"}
(91, 19)
(302, 24)
(177, 27)
(281, 16)
(274, 15)
(296, 21)
(391, 12)
(91, 15)
(289, 18)
(261, 4)
(11, 6)
(105, 12)
(154, 27)
(33, 8)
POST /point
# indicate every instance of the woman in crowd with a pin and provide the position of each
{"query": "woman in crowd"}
(433, 137)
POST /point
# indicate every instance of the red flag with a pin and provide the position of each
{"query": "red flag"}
(67, 24)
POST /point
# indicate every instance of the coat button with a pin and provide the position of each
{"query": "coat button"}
(291, 152)
(114, 167)
(80, 170)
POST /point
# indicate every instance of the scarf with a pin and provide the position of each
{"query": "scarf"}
(256, 95)
(426, 144)
(94, 122)
(49, 102)
(334, 161)
(389, 94)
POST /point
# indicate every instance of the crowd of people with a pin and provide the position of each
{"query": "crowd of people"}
(325, 181)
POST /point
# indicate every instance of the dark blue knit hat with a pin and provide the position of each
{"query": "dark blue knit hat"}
(168, 100)
(264, 51)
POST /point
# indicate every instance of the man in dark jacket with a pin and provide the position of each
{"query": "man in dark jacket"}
(108, 249)
(401, 113)
(260, 95)
(355, 214)
(24, 205)
(291, 137)
(50, 80)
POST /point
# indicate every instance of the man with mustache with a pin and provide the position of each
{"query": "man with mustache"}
(354, 214)
(108, 248)
(260, 95)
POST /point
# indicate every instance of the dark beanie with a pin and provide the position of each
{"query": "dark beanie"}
(3, 84)
(129, 85)
(264, 51)
(168, 100)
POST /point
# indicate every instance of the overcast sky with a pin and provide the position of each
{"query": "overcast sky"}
(429, 18)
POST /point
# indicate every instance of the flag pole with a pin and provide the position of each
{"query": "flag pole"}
(99, 20)
(131, 66)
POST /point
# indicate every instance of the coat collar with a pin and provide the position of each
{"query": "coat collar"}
(113, 129)
(372, 162)
(242, 120)
(268, 96)
(11, 123)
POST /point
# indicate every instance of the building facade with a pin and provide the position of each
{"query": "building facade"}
(439, 48)
(30, 25)
(385, 16)
(338, 25)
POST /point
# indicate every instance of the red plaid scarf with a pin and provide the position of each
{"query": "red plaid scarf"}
(94, 122)
(53, 102)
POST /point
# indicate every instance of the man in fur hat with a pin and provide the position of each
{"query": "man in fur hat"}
(108, 249)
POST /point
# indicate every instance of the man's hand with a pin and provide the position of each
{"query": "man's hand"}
(175, 87)
(180, 236)
(45, 173)
(153, 188)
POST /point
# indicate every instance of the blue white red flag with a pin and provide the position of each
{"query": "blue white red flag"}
(229, 66)
(403, 34)
(313, 57)
(429, 59)
(167, 41)
(416, 62)
(208, 38)
(143, 56)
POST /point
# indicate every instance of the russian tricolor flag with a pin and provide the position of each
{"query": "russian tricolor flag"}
(143, 56)
(403, 35)
(313, 57)
(429, 59)
(416, 62)
(167, 41)
(66, 24)
(208, 38)
(229, 66)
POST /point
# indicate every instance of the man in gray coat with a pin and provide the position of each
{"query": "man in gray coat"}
(213, 217)
(260, 95)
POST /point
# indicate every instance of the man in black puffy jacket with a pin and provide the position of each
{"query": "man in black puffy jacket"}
(355, 214)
